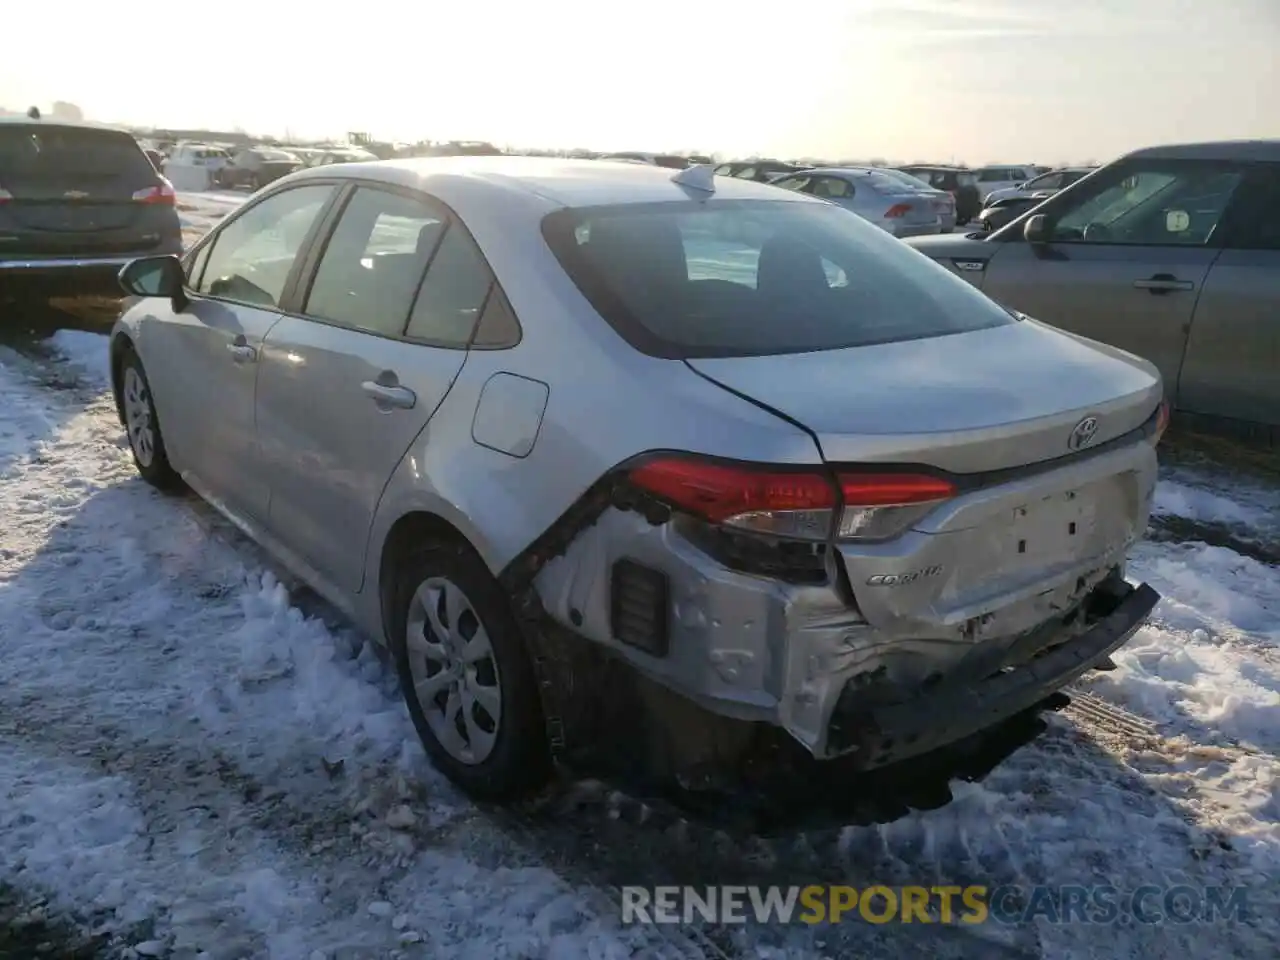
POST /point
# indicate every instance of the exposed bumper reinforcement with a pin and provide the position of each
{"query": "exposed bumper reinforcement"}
(879, 735)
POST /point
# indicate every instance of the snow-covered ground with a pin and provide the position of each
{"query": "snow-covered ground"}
(199, 761)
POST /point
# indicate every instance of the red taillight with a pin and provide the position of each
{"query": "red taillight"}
(161, 193)
(1162, 419)
(897, 210)
(892, 489)
(800, 504)
(5, 195)
(718, 493)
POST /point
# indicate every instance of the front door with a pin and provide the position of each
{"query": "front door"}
(1126, 258)
(203, 361)
(349, 383)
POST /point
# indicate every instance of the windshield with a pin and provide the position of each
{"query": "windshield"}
(274, 155)
(752, 278)
(30, 151)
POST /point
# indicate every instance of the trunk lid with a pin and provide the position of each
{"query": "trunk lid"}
(1011, 548)
(967, 403)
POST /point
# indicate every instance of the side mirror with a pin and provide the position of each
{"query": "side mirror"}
(1036, 230)
(155, 277)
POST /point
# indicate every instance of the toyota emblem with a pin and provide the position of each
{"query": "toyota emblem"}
(1083, 433)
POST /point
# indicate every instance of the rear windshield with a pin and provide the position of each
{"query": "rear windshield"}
(751, 278)
(27, 151)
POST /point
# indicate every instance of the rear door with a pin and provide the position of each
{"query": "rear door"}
(350, 377)
(1127, 257)
(203, 361)
(1232, 368)
(75, 190)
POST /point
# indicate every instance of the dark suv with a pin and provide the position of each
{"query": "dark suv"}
(77, 202)
(962, 184)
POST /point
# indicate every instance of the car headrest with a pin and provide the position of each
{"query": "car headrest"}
(646, 249)
(787, 265)
(427, 238)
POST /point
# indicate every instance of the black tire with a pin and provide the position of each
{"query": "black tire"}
(155, 469)
(519, 762)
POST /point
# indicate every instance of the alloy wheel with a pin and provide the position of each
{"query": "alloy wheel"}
(454, 671)
(137, 417)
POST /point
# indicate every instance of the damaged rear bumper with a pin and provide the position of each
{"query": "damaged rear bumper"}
(801, 658)
(879, 735)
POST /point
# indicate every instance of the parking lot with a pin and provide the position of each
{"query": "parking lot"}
(199, 758)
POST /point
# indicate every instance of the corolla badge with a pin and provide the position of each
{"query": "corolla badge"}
(75, 195)
(1083, 433)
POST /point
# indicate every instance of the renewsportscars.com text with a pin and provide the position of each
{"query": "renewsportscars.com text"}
(972, 904)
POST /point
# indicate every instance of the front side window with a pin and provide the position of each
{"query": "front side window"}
(373, 262)
(1149, 203)
(750, 278)
(254, 252)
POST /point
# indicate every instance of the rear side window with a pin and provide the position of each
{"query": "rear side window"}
(1254, 221)
(40, 153)
(752, 278)
(453, 293)
(373, 262)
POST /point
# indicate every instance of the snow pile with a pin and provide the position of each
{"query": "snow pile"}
(86, 351)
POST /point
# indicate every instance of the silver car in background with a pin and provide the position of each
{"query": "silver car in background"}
(892, 204)
(943, 201)
(595, 447)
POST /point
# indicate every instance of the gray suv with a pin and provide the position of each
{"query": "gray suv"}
(1171, 253)
(77, 202)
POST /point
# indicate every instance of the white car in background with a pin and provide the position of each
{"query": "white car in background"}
(1002, 177)
(1046, 184)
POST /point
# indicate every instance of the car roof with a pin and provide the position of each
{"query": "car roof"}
(1239, 150)
(845, 171)
(23, 121)
(549, 182)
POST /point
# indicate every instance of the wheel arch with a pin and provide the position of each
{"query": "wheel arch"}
(409, 530)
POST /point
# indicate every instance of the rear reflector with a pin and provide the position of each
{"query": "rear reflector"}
(797, 504)
(639, 598)
(161, 193)
(898, 210)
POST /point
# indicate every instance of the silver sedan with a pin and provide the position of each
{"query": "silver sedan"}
(621, 462)
(882, 198)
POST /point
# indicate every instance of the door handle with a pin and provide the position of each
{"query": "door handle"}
(389, 395)
(1163, 283)
(242, 352)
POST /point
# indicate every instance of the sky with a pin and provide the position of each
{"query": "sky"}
(1025, 81)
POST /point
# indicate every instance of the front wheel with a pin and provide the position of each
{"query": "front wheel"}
(143, 426)
(466, 674)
